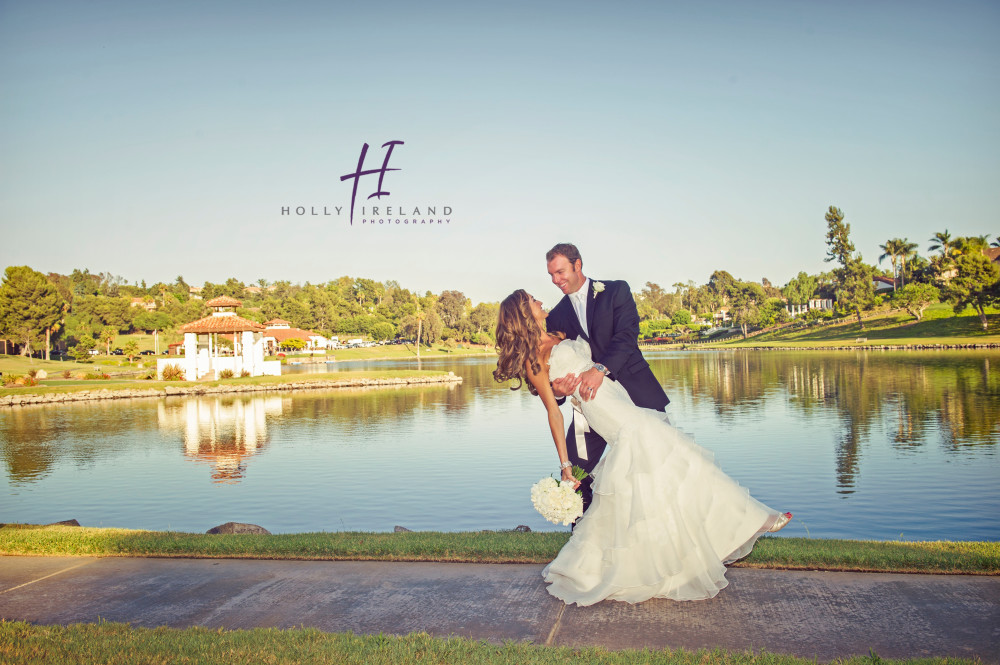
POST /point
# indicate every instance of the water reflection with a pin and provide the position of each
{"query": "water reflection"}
(222, 432)
(856, 444)
(948, 396)
(35, 438)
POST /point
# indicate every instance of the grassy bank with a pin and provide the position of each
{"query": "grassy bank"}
(75, 385)
(939, 326)
(115, 643)
(482, 547)
(119, 364)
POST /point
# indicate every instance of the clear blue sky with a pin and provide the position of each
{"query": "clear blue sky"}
(667, 140)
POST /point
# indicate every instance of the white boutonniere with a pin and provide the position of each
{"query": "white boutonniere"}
(598, 287)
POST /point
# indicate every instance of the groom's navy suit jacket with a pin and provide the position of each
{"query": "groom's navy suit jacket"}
(613, 322)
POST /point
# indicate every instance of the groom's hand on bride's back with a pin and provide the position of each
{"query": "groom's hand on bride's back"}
(565, 385)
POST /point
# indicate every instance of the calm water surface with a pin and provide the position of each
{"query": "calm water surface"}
(876, 445)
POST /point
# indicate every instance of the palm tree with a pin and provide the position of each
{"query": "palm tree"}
(892, 249)
(995, 243)
(907, 250)
(943, 242)
(970, 244)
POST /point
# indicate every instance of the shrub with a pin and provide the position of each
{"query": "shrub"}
(173, 373)
(19, 380)
(67, 374)
(244, 374)
(226, 374)
(96, 375)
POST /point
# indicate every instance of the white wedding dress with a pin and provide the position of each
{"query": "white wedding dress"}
(664, 519)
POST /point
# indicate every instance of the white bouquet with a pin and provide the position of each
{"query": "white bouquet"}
(556, 500)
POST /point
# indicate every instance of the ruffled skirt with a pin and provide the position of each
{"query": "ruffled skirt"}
(663, 523)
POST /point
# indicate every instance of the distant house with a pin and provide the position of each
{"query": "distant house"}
(146, 303)
(814, 303)
(721, 315)
(883, 284)
(255, 290)
(993, 254)
(194, 292)
(277, 331)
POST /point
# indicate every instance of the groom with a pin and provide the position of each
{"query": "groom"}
(604, 314)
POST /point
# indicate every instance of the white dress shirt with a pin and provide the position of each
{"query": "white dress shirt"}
(579, 300)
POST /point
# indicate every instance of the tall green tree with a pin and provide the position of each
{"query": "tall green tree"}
(719, 284)
(977, 284)
(907, 253)
(660, 301)
(81, 351)
(484, 317)
(892, 249)
(970, 245)
(30, 305)
(745, 301)
(942, 242)
(131, 349)
(800, 289)
(108, 334)
(451, 307)
(915, 298)
(855, 289)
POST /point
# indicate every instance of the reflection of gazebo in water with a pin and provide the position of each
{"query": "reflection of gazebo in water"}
(222, 432)
(205, 356)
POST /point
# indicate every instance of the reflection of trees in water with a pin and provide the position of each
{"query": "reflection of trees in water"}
(35, 437)
(911, 393)
(369, 406)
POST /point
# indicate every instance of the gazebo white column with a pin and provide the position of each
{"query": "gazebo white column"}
(248, 356)
(191, 356)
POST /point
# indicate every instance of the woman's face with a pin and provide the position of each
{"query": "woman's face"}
(536, 309)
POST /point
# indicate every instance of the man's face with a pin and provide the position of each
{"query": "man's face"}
(567, 276)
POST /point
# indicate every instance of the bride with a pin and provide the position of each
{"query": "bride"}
(665, 519)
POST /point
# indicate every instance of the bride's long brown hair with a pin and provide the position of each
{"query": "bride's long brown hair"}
(517, 341)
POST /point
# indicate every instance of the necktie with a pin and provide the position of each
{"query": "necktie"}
(580, 305)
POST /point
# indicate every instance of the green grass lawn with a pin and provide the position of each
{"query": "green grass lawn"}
(103, 642)
(482, 547)
(60, 385)
(19, 365)
(939, 325)
(396, 351)
(120, 644)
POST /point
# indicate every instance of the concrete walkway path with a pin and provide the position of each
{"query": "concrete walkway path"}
(810, 614)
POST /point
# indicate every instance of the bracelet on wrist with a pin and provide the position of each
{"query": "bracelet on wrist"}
(565, 465)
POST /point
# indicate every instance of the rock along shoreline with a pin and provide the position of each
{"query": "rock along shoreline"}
(182, 391)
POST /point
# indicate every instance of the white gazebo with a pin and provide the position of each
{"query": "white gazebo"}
(205, 357)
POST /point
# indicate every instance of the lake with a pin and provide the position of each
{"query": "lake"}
(869, 445)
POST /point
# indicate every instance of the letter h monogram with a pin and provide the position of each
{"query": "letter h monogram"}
(360, 172)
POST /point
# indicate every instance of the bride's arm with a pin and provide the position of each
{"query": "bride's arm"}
(541, 383)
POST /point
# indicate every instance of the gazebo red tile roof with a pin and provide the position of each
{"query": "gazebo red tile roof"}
(277, 322)
(224, 301)
(221, 324)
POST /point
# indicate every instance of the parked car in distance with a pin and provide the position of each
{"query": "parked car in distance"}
(117, 352)
(147, 352)
(94, 352)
